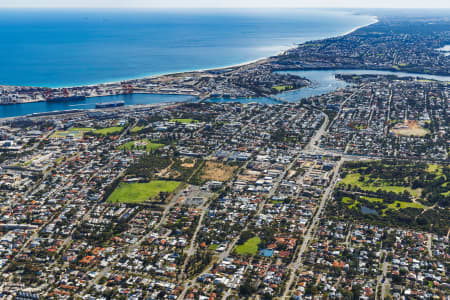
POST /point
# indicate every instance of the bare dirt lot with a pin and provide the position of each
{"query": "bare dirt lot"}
(217, 171)
(409, 128)
(188, 163)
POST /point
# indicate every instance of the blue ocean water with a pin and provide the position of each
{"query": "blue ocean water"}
(58, 48)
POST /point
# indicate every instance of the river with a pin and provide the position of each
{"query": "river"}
(323, 81)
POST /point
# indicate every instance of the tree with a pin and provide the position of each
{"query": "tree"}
(246, 289)
(267, 296)
(311, 289)
(245, 235)
(356, 291)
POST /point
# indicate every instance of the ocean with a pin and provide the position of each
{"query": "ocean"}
(57, 48)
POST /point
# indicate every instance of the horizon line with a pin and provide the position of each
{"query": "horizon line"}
(218, 7)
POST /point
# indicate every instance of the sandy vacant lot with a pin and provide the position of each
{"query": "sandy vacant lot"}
(409, 128)
(217, 171)
(188, 163)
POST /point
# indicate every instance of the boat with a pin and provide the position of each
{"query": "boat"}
(66, 98)
(110, 104)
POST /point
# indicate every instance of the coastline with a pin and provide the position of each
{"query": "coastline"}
(374, 21)
(235, 68)
(254, 61)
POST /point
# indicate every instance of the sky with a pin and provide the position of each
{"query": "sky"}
(223, 3)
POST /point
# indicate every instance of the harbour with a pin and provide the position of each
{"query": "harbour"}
(23, 109)
(322, 81)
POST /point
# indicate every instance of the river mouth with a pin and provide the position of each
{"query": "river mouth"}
(325, 81)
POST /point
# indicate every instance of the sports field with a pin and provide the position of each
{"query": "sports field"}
(141, 192)
(282, 88)
(136, 129)
(250, 247)
(185, 121)
(141, 145)
(75, 132)
(83, 129)
(108, 130)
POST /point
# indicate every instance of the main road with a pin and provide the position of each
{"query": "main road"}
(311, 230)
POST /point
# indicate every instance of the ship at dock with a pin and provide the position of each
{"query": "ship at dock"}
(110, 104)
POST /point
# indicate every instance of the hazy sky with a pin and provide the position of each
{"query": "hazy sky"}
(227, 3)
